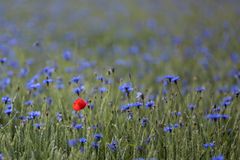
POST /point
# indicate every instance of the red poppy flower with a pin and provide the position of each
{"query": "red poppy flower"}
(79, 104)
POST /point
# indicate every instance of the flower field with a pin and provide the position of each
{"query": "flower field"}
(124, 80)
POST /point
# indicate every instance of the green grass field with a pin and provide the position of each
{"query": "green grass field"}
(161, 80)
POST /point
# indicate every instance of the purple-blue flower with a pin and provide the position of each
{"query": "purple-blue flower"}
(47, 81)
(102, 89)
(28, 103)
(113, 146)
(219, 157)
(34, 86)
(95, 145)
(33, 114)
(76, 79)
(150, 104)
(8, 111)
(217, 116)
(126, 87)
(38, 125)
(6, 100)
(191, 106)
(77, 126)
(72, 142)
(67, 55)
(83, 140)
(227, 101)
(98, 136)
(200, 89)
(209, 145)
(78, 90)
(3, 60)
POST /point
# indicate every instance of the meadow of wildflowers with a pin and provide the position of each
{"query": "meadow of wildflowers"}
(125, 80)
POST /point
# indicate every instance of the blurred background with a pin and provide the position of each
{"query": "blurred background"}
(155, 36)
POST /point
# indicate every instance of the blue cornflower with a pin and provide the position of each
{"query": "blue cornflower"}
(134, 49)
(33, 86)
(38, 125)
(235, 90)
(28, 103)
(217, 116)
(8, 111)
(102, 89)
(59, 117)
(78, 126)
(9, 106)
(98, 136)
(227, 101)
(168, 129)
(176, 113)
(23, 118)
(171, 78)
(72, 142)
(10, 73)
(78, 90)
(4, 83)
(48, 71)
(95, 145)
(225, 116)
(100, 78)
(113, 146)
(82, 140)
(176, 125)
(84, 64)
(49, 100)
(209, 145)
(214, 116)
(23, 72)
(124, 107)
(219, 157)
(1, 156)
(216, 109)
(137, 104)
(3, 60)
(67, 55)
(223, 89)
(47, 81)
(144, 121)
(191, 106)
(76, 79)
(108, 81)
(126, 88)
(200, 89)
(6, 100)
(150, 104)
(29, 61)
(33, 114)
(175, 79)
